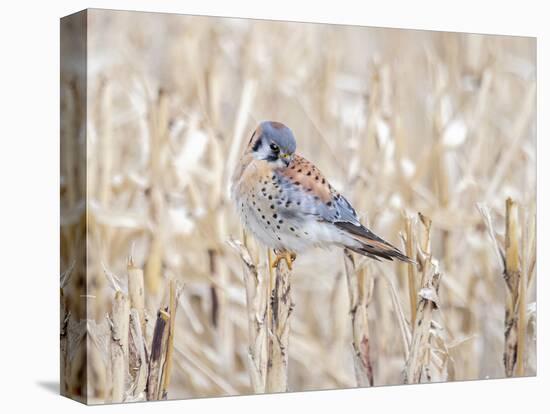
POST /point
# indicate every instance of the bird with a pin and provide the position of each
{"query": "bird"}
(289, 206)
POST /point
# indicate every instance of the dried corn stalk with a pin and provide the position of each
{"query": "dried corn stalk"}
(279, 329)
(410, 224)
(515, 306)
(162, 349)
(419, 352)
(360, 290)
(256, 303)
(512, 276)
(119, 345)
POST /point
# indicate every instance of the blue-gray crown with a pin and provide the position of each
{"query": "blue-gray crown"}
(280, 134)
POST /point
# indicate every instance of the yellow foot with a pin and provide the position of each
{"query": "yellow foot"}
(289, 258)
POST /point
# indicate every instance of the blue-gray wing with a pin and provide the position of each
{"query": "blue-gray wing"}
(304, 190)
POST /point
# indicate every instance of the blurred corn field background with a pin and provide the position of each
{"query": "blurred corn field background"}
(400, 121)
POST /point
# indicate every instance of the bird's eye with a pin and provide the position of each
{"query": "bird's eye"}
(274, 148)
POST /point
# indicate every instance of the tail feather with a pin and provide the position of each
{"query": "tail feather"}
(370, 244)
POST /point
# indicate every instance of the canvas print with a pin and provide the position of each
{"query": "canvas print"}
(253, 206)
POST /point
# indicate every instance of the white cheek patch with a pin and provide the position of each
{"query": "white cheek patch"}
(278, 164)
(263, 152)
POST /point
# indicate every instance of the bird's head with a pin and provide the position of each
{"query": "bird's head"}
(274, 143)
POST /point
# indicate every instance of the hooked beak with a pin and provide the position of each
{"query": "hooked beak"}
(285, 158)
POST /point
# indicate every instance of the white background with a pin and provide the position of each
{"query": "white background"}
(29, 208)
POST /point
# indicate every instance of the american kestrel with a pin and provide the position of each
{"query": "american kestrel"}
(289, 206)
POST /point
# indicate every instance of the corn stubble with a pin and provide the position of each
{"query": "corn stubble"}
(436, 123)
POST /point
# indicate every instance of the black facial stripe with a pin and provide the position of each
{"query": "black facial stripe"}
(257, 144)
(272, 158)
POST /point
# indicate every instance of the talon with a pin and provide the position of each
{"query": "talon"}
(289, 258)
